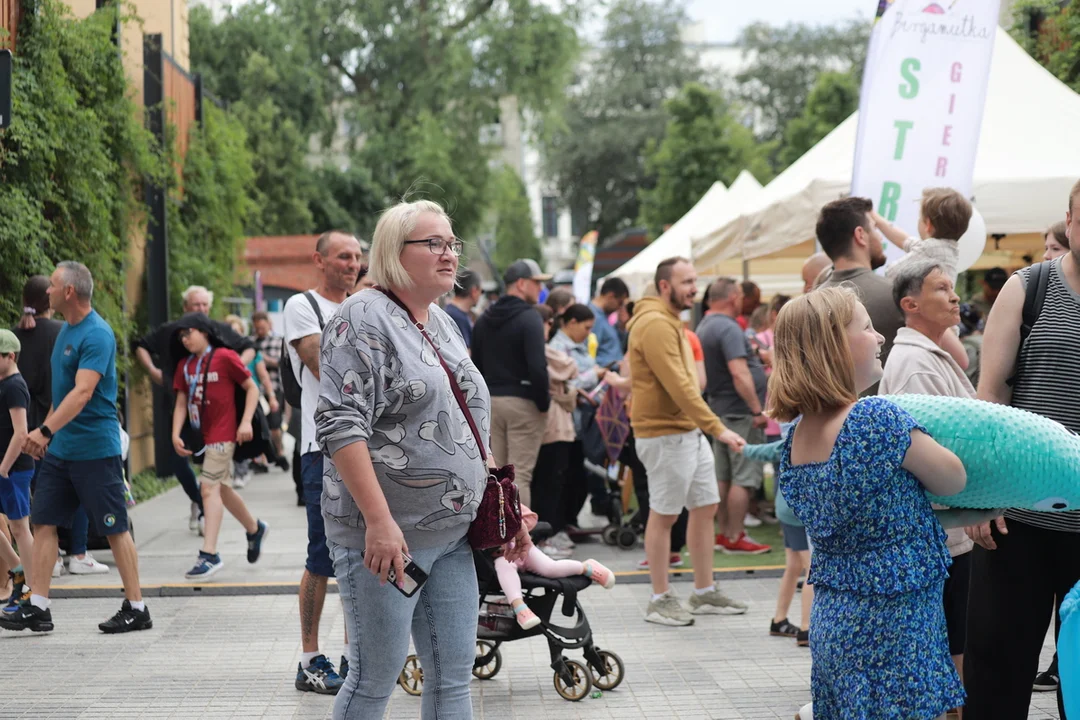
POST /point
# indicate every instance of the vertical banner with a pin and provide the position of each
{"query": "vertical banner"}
(921, 108)
(584, 266)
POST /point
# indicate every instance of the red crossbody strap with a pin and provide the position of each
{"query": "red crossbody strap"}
(458, 395)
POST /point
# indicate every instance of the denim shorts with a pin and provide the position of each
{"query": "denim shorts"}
(97, 485)
(318, 557)
(15, 494)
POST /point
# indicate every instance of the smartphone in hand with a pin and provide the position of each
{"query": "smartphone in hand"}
(415, 577)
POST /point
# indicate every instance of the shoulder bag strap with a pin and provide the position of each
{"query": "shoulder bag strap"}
(458, 395)
(315, 306)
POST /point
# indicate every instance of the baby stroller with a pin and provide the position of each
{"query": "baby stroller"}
(573, 680)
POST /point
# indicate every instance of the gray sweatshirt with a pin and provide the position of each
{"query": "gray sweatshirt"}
(383, 385)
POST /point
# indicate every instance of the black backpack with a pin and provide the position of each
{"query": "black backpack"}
(289, 382)
(1034, 297)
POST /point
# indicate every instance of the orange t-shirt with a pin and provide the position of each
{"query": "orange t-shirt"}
(695, 345)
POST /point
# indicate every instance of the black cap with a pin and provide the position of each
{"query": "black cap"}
(996, 277)
(524, 270)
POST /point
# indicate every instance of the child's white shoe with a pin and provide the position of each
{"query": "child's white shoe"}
(526, 618)
(599, 574)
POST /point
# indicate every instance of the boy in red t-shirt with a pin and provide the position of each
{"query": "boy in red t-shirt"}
(205, 384)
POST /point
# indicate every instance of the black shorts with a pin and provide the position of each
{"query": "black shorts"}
(273, 419)
(97, 485)
(956, 600)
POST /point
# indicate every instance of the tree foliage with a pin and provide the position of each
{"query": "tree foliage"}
(211, 202)
(71, 160)
(597, 158)
(834, 97)
(703, 143)
(411, 85)
(514, 235)
(785, 62)
(1050, 31)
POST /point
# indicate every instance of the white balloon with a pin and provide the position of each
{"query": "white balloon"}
(973, 242)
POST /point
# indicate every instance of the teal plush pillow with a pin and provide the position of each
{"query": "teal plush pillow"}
(1014, 459)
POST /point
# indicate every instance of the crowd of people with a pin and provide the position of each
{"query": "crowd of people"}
(404, 396)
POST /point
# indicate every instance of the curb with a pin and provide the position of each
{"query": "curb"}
(629, 577)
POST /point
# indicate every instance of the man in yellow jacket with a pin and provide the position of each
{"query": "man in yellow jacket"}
(672, 424)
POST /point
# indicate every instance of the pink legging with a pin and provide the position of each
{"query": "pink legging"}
(536, 562)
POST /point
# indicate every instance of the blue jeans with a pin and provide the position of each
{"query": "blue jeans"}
(442, 617)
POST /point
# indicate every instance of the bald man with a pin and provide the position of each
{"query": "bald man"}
(813, 269)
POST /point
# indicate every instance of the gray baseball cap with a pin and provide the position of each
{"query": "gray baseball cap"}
(524, 270)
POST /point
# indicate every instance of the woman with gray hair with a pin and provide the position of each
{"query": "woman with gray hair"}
(406, 471)
(918, 364)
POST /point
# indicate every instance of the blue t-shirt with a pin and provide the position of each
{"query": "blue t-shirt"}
(462, 320)
(609, 346)
(94, 433)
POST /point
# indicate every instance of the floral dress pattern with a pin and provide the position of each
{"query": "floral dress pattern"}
(878, 638)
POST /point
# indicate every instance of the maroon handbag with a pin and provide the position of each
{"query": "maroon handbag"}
(498, 519)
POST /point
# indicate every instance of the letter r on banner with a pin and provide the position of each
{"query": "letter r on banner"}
(890, 197)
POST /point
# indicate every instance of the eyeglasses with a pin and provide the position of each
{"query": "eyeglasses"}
(438, 246)
(186, 331)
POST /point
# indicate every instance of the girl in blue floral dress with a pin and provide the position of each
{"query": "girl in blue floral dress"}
(856, 473)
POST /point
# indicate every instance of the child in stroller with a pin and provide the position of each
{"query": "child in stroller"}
(540, 564)
(499, 623)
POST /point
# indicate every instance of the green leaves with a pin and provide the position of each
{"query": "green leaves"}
(71, 162)
(703, 143)
(833, 98)
(596, 158)
(514, 236)
(1056, 42)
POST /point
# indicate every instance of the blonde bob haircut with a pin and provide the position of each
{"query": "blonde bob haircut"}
(394, 227)
(812, 366)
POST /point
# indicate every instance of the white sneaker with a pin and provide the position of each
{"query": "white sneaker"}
(193, 521)
(667, 610)
(202, 526)
(58, 568)
(806, 712)
(751, 521)
(239, 482)
(562, 541)
(553, 552)
(87, 566)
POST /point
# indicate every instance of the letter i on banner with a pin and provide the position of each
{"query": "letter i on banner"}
(921, 108)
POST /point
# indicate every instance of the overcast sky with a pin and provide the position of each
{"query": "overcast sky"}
(725, 18)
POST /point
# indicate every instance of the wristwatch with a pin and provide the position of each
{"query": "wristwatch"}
(45, 431)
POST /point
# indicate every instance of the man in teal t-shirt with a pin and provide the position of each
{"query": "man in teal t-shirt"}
(78, 447)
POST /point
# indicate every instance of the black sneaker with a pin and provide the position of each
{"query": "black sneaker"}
(255, 541)
(803, 638)
(319, 677)
(783, 629)
(282, 463)
(127, 619)
(27, 617)
(1046, 681)
(343, 667)
(259, 468)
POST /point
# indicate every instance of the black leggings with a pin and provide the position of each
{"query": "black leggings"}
(1013, 591)
(549, 478)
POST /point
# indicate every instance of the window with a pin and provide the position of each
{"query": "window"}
(550, 213)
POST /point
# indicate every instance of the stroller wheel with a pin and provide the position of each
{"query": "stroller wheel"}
(411, 678)
(491, 668)
(627, 537)
(610, 534)
(580, 681)
(613, 673)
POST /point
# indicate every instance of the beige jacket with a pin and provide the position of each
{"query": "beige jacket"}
(918, 365)
(560, 419)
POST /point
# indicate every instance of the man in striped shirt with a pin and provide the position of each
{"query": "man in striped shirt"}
(1025, 562)
(268, 344)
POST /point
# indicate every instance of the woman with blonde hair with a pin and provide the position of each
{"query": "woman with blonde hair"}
(856, 472)
(404, 416)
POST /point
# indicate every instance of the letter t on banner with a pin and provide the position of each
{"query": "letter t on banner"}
(921, 108)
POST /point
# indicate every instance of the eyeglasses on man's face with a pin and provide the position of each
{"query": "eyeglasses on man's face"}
(438, 246)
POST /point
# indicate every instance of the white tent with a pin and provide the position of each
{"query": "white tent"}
(639, 270)
(1025, 167)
